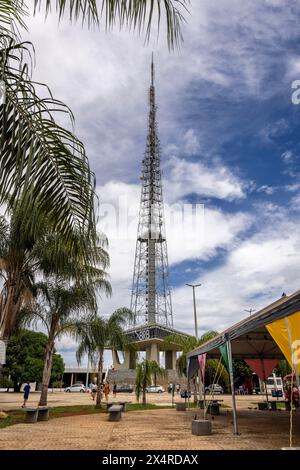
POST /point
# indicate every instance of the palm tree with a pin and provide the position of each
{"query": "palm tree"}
(144, 375)
(17, 274)
(95, 334)
(57, 309)
(23, 256)
(187, 344)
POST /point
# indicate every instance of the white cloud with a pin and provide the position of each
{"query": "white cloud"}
(184, 177)
(267, 189)
(191, 142)
(295, 202)
(287, 156)
(220, 230)
(256, 272)
(274, 130)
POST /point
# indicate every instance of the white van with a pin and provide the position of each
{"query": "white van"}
(275, 386)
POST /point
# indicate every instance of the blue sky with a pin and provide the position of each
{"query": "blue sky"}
(230, 141)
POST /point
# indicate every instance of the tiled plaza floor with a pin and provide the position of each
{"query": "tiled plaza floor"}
(157, 429)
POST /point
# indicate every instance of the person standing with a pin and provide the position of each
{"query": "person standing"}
(94, 392)
(115, 390)
(26, 394)
(106, 390)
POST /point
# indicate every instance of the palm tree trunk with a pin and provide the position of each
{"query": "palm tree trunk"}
(144, 382)
(144, 396)
(48, 358)
(99, 380)
(10, 305)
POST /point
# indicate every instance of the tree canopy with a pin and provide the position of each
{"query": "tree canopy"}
(25, 359)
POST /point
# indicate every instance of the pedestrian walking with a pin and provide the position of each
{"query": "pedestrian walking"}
(115, 390)
(26, 394)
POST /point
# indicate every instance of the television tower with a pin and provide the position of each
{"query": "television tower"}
(151, 297)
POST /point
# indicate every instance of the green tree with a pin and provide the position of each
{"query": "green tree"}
(23, 256)
(25, 359)
(186, 344)
(58, 307)
(95, 334)
(283, 368)
(241, 371)
(145, 372)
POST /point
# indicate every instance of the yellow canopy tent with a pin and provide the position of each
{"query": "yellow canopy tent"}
(286, 333)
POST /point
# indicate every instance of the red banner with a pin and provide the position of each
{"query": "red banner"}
(202, 362)
(262, 367)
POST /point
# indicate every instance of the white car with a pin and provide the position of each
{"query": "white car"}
(75, 388)
(214, 388)
(153, 389)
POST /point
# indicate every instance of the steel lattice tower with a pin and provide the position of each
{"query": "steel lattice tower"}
(151, 297)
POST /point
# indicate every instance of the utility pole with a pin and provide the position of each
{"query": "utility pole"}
(196, 333)
(250, 310)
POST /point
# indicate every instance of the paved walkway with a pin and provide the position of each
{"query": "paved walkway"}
(9, 401)
(157, 429)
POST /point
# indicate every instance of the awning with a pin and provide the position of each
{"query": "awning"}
(250, 338)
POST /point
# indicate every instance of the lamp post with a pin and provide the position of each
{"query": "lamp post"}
(196, 333)
(195, 311)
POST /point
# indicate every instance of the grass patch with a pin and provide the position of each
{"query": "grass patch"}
(18, 416)
(148, 406)
(63, 411)
(14, 417)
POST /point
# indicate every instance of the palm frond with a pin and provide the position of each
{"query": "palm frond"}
(12, 13)
(86, 10)
(42, 163)
(138, 15)
(120, 317)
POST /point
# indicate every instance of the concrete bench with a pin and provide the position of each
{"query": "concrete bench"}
(262, 406)
(213, 409)
(121, 403)
(115, 412)
(109, 404)
(31, 415)
(43, 413)
(180, 406)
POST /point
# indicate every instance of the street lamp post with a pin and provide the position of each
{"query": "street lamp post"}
(196, 332)
(195, 311)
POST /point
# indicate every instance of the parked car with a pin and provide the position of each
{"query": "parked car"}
(153, 389)
(214, 388)
(124, 388)
(76, 388)
(186, 394)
